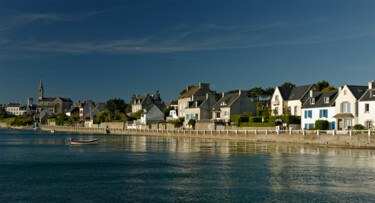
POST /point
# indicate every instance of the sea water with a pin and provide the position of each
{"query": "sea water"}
(39, 166)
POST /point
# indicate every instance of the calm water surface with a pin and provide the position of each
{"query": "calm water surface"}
(40, 167)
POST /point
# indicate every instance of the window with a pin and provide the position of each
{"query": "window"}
(323, 113)
(367, 107)
(326, 100)
(345, 107)
(223, 104)
(218, 115)
(368, 124)
(289, 110)
(295, 110)
(226, 113)
(345, 92)
(312, 101)
(308, 114)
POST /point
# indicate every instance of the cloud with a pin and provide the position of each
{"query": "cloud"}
(19, 19)
(183, 38)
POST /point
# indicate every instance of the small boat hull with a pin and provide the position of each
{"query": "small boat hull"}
(84, 142)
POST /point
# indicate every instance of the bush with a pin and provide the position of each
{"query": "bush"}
(359, 127)
(22, 121)
(321, 125)
(192, 123)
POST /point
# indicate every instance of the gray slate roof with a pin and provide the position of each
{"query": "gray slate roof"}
(294, 93)
(14, 105)
(319, 100)
(229, 99)
(366, 96)
(357, 90)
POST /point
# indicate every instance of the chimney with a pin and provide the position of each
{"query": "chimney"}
(223, 94)
(206, 95)
(204, 85)
(192, 97)
(340, 88)
(371, 85)
(311, 93)
(239, 92)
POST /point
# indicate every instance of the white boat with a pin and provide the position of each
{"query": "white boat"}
(52, 131)
(84, 142)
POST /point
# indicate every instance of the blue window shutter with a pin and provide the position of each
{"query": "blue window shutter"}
(320, 113)
(305, 114)
(305, 125)
(340, 107)
(333, 126)
(348, 107)
(310, 113)
(327, 113)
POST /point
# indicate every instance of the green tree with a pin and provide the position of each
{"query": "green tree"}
(329, 88)
(167, 110)
(3, 112)
(288, 84)
(269, 92)
(103, 116)
(321, 125)
(138, 114)
(116, 104)
(74, 117)
(62, 119)
(183, 92)
(322, 85)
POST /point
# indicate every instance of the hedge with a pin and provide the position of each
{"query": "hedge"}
(321, 125)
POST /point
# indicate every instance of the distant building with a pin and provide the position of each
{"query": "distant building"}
(151, 114)
(173, 113)
(143, 101)
(366, 107)
(15, 109)
(232, 103)
(55, 104)
(289, 100)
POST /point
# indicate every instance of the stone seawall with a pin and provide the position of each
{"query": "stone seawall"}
(355, 140)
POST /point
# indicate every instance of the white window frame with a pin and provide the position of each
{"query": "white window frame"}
(312, 101)
(326, 100)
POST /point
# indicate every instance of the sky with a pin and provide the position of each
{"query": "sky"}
(100, 50)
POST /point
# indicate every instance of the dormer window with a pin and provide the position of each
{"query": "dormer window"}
(326, 100)
(312, 101)
(223, 104)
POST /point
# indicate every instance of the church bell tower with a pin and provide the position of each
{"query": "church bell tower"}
(41, 91)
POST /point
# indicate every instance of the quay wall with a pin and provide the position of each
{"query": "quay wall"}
(355, 139)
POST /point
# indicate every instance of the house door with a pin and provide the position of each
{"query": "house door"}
(340, 124)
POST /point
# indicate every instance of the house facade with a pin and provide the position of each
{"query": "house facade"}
(289, 100)
(151, 114)
(193, 93)
(319, 106)
(15, 109)
(200, 108)
(232, 103)
(347, 106)
(366, 107)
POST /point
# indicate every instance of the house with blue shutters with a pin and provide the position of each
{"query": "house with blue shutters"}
(319, 106)
(347, 103)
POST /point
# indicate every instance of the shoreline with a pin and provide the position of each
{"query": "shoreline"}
(359, 141)
(356, 141)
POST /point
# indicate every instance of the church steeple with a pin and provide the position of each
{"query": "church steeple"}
(41, 91)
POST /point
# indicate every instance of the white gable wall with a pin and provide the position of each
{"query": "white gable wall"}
(316, 116)
(366, 116)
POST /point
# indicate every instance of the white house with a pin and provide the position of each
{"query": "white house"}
(366, 107)
(15, 109)
(173, 114)
(347, 106)
(289, 100)
(319, 106)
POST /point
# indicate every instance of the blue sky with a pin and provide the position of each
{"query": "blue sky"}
(100, 50)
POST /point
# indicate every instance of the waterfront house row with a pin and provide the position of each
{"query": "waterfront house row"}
(343, 108)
